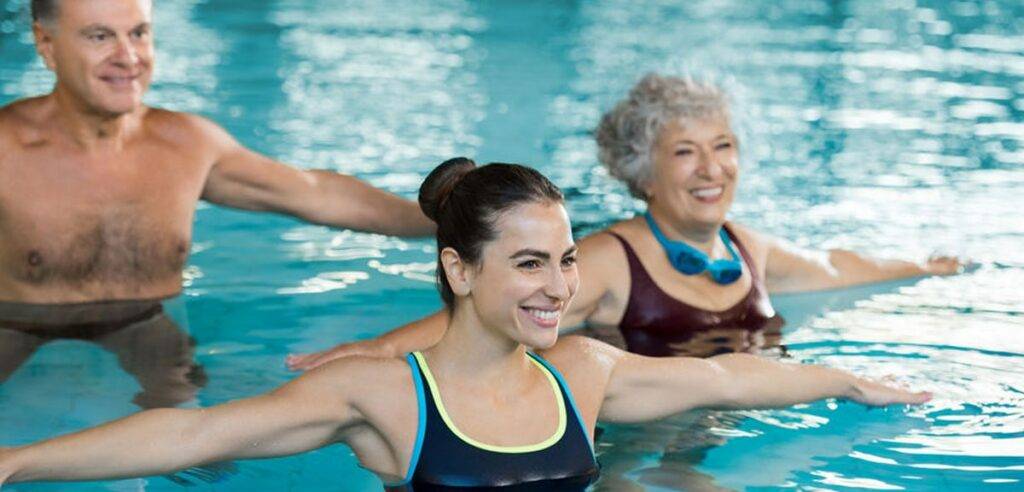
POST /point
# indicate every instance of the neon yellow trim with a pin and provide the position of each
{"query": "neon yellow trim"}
(529, 448)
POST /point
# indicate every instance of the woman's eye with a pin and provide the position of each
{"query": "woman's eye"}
(684, 152)
(530, 264)
(723, 146)
(568, 261)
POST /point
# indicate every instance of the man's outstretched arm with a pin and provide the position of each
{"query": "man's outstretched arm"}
(242, 178)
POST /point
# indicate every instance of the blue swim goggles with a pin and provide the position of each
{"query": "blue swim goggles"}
(691, 261)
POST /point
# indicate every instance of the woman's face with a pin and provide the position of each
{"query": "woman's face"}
(694, 173)
(527, 275)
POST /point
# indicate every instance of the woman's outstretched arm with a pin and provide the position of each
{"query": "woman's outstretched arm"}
(304, 414)
(647, 388)
(791, 268)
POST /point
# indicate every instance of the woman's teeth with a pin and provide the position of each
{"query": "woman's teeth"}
(707, 192)
(543, 315)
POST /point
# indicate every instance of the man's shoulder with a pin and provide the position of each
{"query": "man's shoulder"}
(21, 106)
(165, 119)
(182, 128)
(22, 122)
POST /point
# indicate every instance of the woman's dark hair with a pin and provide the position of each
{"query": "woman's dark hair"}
(465, 201)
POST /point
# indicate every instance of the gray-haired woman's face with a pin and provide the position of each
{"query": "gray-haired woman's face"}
(695, 170)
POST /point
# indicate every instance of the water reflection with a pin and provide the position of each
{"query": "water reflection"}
(397, 85)
(706, 343)
(886, 127)
(663, 454)
(148, 344)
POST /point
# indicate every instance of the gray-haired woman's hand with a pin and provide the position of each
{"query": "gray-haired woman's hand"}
(5, 472)
(945, 265)
(365, 348)
(880, 394)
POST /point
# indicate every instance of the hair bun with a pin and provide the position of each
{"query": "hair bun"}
(438, 185)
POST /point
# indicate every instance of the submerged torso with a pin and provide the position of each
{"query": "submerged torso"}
(657, 323)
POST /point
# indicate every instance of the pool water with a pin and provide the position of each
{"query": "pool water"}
(894, 128)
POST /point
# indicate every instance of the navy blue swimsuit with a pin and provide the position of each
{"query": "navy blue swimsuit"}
(446, 459)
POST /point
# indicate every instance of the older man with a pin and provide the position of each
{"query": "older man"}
(98, 190)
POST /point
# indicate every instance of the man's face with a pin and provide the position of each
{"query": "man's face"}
(101, 52)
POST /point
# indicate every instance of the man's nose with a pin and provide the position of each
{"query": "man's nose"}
(125, 53)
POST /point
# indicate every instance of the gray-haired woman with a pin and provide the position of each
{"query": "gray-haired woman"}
(680, 272)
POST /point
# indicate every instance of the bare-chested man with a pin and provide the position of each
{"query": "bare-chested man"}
(98, 190)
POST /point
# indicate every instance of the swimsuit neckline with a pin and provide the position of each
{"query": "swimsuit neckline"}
(435, 394)
(741, 302)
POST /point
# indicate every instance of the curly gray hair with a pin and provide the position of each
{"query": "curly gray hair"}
(627, 133)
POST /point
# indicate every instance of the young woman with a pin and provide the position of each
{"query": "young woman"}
(507, 273)
(680, 273)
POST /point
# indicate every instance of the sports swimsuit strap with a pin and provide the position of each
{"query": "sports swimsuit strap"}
(421, 422)
(435, 396)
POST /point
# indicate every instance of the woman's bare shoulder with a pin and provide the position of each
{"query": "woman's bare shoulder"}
(358, 376)
(580, 353)
(757, 243)
(604, 247)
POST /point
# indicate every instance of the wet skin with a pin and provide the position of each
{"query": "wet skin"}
(98, 191)
(83, 226)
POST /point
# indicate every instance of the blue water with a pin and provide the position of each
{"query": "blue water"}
(894, 128)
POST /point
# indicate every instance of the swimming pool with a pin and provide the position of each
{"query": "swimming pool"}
(895, 128)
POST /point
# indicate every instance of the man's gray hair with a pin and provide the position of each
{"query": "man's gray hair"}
(627, 134)
(44, 11)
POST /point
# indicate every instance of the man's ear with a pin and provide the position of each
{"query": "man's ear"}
(44, 44)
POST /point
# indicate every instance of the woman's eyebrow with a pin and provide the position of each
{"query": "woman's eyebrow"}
(530, 252)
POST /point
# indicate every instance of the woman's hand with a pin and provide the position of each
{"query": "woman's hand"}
(944, 265)
(878, 394)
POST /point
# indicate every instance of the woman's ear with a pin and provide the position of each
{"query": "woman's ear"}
(457, 272)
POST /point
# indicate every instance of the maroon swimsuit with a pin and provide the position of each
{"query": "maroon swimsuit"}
(657, 324)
